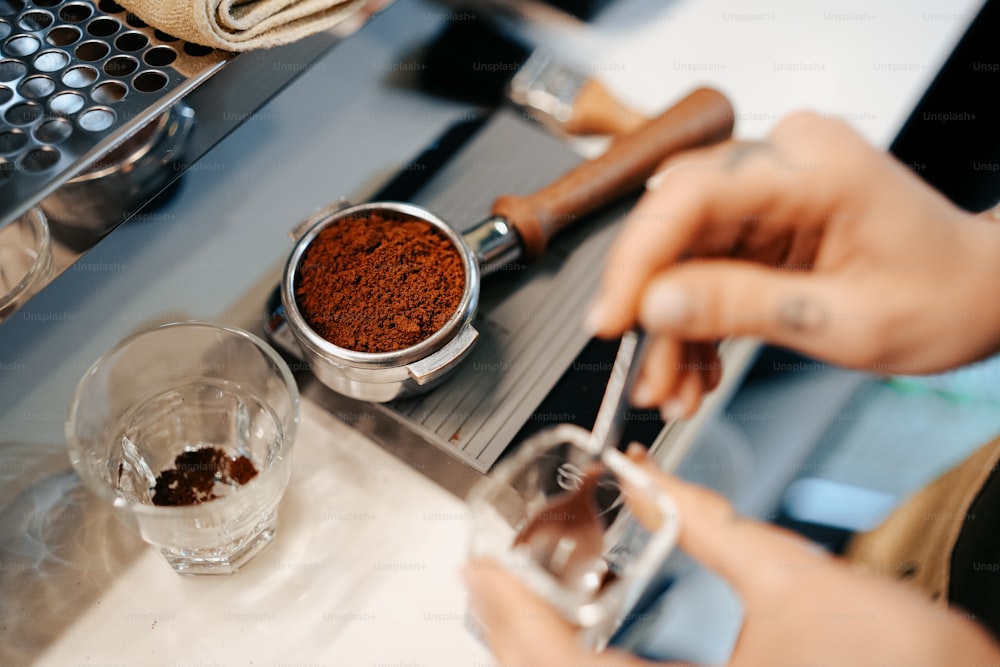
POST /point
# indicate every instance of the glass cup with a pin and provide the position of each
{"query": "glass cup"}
(538, 483)
(177, 414)
(25, 259)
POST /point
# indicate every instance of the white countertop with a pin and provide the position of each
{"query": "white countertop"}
(363, 571)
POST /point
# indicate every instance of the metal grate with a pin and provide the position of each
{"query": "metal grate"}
(77, 78)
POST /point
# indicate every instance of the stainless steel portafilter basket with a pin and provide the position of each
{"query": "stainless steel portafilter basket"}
(384, 376)
(518, 226)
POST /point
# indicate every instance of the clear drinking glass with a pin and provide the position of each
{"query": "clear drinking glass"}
(536, 481)
(25, 259)
(188, 387)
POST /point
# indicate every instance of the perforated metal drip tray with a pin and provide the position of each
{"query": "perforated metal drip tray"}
(76, 79)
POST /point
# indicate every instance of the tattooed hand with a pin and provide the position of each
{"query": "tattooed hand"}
(813, 240)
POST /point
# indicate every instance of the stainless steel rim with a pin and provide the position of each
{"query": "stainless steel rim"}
(379, 360)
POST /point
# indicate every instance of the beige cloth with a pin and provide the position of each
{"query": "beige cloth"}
(243, 25)
(917, 540)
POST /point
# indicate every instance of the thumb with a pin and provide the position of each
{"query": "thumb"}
(711, 299)
(523, 630)
(518, 626)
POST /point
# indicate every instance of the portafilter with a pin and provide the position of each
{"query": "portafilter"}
(517, 226)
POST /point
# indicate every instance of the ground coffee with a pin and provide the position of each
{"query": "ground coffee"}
(193, 478)
(379, 283)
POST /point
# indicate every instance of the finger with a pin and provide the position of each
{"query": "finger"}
(737, 151)
(674, 376)
(701, 359)
(795, 181)
(684, 212)
(711, 299)
(520, 628)
(801, 256)
(682, 398)
(659, 375)
(713, 366)
(750, 555)
(655, 234)
(643, 506)
(688, 395)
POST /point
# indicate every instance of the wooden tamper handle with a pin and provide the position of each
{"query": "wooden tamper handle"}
(703, 117)
(597, 111)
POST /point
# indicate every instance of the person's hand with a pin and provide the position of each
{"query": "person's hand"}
(801, 606)
(811, 239)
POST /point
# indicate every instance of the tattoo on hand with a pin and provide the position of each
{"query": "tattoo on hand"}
(803, 315)
(743, 151)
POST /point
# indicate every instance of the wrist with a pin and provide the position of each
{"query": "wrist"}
(982, 277)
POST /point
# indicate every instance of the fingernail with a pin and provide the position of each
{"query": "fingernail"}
(672, 410)
(636, 452)
(596, 315)
(665, 305)
(642, 395)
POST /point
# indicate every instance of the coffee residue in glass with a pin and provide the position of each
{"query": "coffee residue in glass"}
(196, 473)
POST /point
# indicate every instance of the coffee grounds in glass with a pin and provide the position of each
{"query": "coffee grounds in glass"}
(195, 474)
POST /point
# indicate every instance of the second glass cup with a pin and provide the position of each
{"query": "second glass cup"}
(187, 429)
(528, 510)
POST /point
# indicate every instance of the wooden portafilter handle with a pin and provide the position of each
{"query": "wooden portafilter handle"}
(703, 117)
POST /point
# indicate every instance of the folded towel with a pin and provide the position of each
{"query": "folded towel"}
(243, 25)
